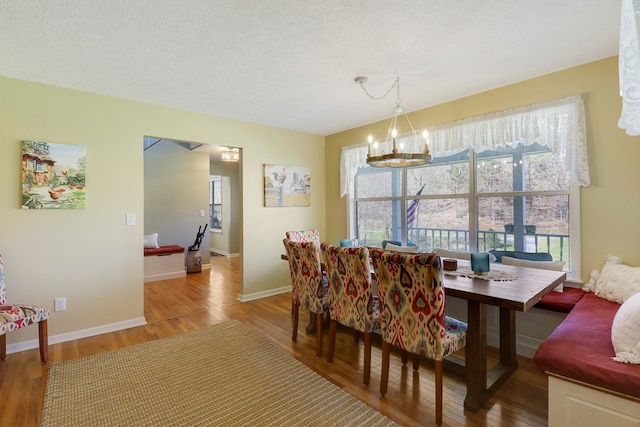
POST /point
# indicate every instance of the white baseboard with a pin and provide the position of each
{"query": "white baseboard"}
(263, 294)
(223, 253)
(75, 335)
(164, 276)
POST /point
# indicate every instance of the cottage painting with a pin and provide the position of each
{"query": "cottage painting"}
(53, 175)
(286, 186)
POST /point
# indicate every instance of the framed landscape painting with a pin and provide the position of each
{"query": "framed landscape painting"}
(286, 186)
(53, 175)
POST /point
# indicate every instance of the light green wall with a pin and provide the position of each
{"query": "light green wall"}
(90, 256)
(610, 206)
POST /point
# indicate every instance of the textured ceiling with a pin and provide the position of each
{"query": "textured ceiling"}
(291, 64)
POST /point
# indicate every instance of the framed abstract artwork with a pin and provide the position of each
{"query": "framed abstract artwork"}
(53, 175)
(286, 186)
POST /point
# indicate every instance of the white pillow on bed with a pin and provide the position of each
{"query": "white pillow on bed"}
(151, 241)
(616, 281)
(543, 265)
(396, 248)
(625, 331)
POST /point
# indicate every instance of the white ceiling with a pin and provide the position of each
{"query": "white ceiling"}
(291, 64)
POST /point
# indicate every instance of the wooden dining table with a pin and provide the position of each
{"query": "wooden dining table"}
(522, 291)
(517, 289)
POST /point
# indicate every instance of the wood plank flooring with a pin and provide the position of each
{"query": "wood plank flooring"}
(181, 305)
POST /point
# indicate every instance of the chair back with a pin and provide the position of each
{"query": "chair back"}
(306, 275)
(3, 295)
(351, 298)
(305, 236)
(412, 301)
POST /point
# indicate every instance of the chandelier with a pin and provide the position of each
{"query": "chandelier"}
(230, 155)
(397, 158)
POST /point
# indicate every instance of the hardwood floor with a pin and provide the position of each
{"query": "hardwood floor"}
(181, 305)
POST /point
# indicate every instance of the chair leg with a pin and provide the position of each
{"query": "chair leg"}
(296, 310)
(3, 346)
(438, 369)
(416, 362)
(356, 336)
(367, 358)
(384, 377)
(404, 356)
(319, 335)
(332, 340)
(43, 338)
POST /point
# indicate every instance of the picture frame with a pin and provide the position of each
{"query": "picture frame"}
(53, 175)
(286, 186)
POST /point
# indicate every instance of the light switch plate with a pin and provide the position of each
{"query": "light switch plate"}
(131, 219)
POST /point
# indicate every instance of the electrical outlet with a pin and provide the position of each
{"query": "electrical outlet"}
(131, 219)
(60, 304)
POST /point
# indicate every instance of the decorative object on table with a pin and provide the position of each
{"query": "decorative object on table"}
(286, 186)
(480, 263)
(53, 175)
(493, 275)
(194, 258)
(449, 264)
(413, 148)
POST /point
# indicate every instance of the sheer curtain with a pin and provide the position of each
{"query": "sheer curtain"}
(629, 65)
(558, 124)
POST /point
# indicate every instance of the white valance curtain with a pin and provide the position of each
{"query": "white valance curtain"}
(557, 124)
(629, 67)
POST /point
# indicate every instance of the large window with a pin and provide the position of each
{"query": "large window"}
(514, 198)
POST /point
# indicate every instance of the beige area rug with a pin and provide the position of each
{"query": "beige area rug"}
(222, 375)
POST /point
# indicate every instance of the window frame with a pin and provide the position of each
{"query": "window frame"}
(473, 197)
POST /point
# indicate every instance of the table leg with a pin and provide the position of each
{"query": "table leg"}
(482, 383)
(475, 359)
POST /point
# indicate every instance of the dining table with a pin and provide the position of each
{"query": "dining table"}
(510, 289)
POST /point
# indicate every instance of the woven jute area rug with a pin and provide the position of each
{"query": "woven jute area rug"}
(222, 375)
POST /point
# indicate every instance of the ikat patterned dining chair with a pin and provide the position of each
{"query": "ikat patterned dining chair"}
(309, 287)
(352, 302)
(311, 235)
(412, 312)
(14, 317)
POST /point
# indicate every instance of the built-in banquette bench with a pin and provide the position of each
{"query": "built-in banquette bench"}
(587, 387)
(164, 262)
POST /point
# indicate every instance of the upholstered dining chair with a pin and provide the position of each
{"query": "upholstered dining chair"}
(352, 302)
(412, 312)
(14, 317)
(309, 287)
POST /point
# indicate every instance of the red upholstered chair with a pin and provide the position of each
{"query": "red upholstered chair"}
(309, 288)
(351, 300)
(412, 307)
(14, 317)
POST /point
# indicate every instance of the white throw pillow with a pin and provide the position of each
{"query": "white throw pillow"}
(615, 282)
(396, 248)
(625, 331)
(543, 265)
(446, 253)
(151, 241)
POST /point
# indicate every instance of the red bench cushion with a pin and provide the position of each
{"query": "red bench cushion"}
(561, 301)
(581, 348)
(162, 250)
